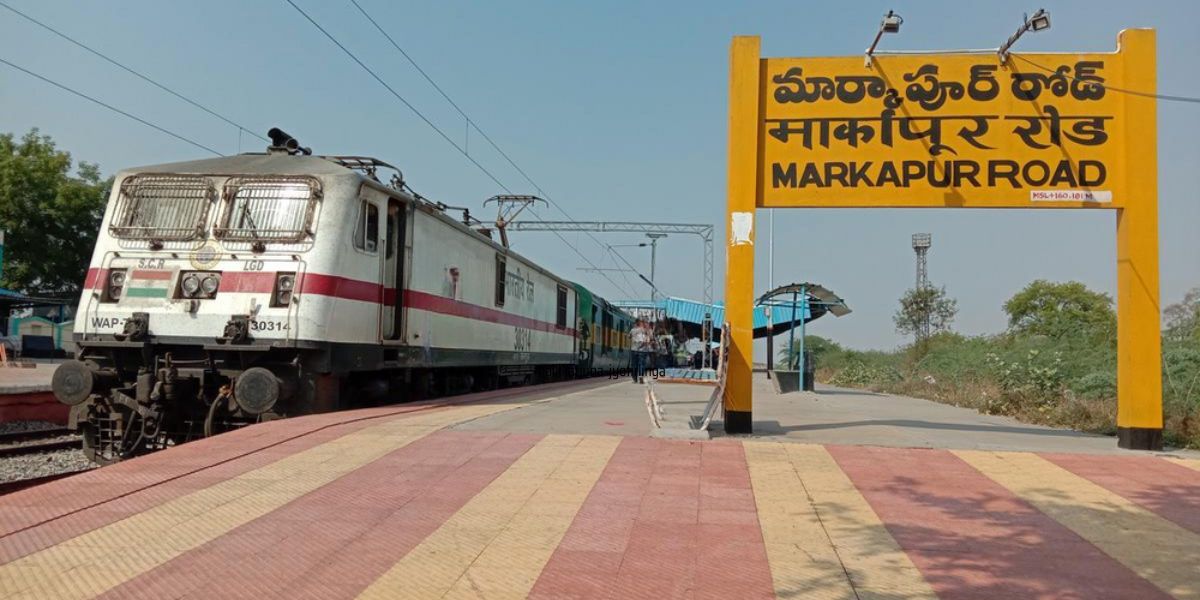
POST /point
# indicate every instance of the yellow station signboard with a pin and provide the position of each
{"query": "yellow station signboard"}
(948, 131)
(1039, 130)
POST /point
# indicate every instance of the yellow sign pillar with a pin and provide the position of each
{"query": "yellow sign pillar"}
(742, 201)
(1139, 329)
(958, 130)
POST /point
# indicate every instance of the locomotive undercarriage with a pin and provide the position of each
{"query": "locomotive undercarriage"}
(131, 399)
(128, 401)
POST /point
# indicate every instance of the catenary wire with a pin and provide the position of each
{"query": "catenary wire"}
(624, 277)
(110, 107)
(130, 70)
(431, 124)
(1167, 97)
(585, 258)
(410, 59)
(472, 124)
(396, 94)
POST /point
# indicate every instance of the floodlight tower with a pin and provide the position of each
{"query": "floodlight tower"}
(921, 243)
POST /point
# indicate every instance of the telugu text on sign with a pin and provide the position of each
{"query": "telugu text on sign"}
(946, 130)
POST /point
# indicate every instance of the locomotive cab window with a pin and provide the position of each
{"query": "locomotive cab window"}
(366, 233)
(268, 209)
(561, 320)
(157, 207)
(501, 276)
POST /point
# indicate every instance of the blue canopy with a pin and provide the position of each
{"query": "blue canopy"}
(810, 305)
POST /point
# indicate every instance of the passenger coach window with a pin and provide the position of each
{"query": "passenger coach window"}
(366, 233)
(562, 306)
(607, 322)
(501, 275)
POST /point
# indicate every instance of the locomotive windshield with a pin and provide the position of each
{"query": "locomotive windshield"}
(162, 208)
(274, 209)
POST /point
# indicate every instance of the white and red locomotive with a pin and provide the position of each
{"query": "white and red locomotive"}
(236, 289)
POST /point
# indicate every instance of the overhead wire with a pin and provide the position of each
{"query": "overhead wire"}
(585, 258)
(1167, 97)
(132, 71)
(111, 107)
(622, 271)
(433, 126)
(472, 124)
(393, 91)
(410, 59)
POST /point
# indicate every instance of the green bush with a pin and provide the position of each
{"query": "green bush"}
(1056, 364)
(1097, 385)
(1063, 381)
(862, 374)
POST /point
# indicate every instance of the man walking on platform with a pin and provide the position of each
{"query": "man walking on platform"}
(642, 338)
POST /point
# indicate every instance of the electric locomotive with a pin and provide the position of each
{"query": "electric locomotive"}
(227, 291)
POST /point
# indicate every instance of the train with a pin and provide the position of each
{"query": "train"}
(233, 290)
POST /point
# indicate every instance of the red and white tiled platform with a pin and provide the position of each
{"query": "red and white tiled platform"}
(395, 503)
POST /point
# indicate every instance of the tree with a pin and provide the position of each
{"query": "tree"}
(1059, 309)
(1182, 320)
(815, 344)
(921, 306)
(50, 216)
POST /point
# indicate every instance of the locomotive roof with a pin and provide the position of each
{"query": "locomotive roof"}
(249, 164)
(286, 164)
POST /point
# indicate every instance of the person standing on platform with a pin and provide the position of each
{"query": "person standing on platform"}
(642, 338)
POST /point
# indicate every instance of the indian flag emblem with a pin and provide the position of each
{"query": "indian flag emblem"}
(147, 283)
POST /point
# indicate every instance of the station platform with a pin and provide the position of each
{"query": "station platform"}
(25, 393)
(560, 492)
(26, 377)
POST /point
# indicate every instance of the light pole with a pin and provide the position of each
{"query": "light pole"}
(654, 237)
(890, 24)
(1038, 22)
(771, 286)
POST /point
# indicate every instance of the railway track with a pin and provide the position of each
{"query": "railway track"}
(21, 455)
(16, 437)
(20, 443)
(37, 447)
(8, 487)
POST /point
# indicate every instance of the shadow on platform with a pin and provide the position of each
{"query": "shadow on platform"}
(775, 427)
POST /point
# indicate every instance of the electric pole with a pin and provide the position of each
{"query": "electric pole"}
(654, 237)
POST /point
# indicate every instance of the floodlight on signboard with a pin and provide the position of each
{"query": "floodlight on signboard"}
(1039, 21)
(890, 24)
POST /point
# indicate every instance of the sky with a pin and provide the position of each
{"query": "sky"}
(616, 110)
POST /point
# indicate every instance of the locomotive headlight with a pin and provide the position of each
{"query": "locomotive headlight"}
(209, 285)
(190, 285)
(116, 285)
(285, 285)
